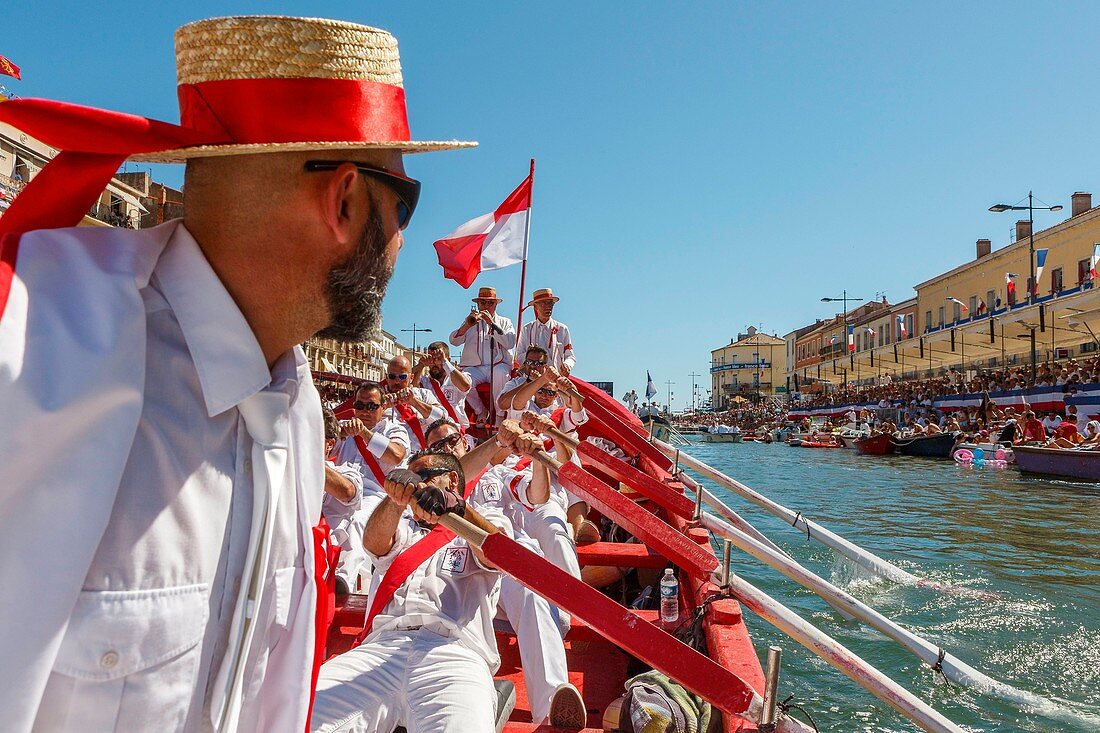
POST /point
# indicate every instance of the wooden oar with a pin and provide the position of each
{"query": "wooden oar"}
(620, 626)
(634, 519)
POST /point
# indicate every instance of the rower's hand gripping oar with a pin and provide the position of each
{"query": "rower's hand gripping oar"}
(620, 626)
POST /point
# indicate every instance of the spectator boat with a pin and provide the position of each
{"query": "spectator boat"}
(926, 446)
(723, 437)
(1069, 463)
(876, 445)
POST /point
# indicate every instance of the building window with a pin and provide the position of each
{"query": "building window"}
(1056, 280)
(1084, 271)
(909, 323)
(973, 305)
(943, 311)
(991, 299)
(928, 321)
(956, 312)
(1030, 287)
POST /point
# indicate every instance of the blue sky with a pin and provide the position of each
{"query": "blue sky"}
(701, 167)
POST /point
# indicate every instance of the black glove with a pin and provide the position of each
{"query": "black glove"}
(440, 501)
(404, 477)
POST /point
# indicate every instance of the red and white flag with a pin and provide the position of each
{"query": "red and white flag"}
(1094, 273)
(10, 69)
(488, 242)
(1010, 286)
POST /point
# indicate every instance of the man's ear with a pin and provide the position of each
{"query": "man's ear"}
(339, 199)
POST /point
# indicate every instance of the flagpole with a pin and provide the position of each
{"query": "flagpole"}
(526, 242)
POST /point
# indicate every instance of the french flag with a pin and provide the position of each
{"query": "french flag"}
(851, 338)
(1040, 262)
(1093, 273)
(489, 242)
(902, 333)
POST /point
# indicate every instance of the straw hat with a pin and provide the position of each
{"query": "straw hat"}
(542, 295)
(486, 293)
(255, 84)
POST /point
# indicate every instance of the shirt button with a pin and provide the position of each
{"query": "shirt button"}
(108, 660)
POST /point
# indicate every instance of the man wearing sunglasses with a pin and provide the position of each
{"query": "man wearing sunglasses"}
(517, 490)
(487, 340)
(436, 373)
(413, 407)
(429, 654)
(372, 442)
(540, 384)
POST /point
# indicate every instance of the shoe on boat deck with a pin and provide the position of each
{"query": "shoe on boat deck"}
(587, 533)
(567, 708)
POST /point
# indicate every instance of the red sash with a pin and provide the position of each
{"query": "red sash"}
(371, 461)
(408, 561)
(326, 555)
(410, 418)
(442, 399)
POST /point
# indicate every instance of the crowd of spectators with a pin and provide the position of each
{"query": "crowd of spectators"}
(922, 392)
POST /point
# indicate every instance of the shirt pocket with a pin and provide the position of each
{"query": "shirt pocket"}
(131, 657)
(284, 594)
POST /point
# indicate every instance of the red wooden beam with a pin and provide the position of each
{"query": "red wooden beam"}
(643, 483)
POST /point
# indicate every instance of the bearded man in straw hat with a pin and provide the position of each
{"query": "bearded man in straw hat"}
(182, 583)
(550, 334)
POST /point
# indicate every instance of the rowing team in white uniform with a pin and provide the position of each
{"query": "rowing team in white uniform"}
(429, 650)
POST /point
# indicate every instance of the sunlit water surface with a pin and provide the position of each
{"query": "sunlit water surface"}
(1031, 540)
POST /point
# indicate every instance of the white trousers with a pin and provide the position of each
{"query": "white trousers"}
(482, 373)
(547, 525)
(419, 679)
(540, 644)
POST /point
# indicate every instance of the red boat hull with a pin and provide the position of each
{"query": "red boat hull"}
(876, 445)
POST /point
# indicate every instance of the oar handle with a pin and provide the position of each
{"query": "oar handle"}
(547, 460)
(558, 434)
(465, 529)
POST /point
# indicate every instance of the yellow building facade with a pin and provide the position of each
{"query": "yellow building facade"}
(753, 366)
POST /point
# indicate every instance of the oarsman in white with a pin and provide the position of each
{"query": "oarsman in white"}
(340, 505)
(414, 407)
(180, 587)
(516, 490)
(436, 373)
(547, 332)
(372, 442)
(487, 340)
(430, 651)
(536, 374)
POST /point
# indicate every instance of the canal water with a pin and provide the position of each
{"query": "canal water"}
(1033, 541)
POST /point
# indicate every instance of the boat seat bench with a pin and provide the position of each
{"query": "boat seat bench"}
(620, 554)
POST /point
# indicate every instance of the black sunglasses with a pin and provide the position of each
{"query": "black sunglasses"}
(446, 443)
(369, 406)
(406, 189)
(398, 377)
(427, 474)
(535, 362)
(544, 390)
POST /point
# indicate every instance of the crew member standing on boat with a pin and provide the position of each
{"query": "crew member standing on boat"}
(487, 340)
(180, 590)
(550, 334)
(436, 373)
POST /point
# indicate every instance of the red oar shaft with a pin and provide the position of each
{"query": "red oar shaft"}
(641, 482)
(637, 521)
(655, 647)
(625, 435)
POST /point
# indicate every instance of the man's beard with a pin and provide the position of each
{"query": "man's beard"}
(355, 289)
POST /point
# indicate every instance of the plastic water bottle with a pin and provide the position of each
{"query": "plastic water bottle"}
(670, 598)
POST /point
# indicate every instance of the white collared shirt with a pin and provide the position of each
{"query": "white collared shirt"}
(426, 396)
(552, 336)
(348, 452)
(147, 629)
(455, 397)
(481, 346)
(451, 592)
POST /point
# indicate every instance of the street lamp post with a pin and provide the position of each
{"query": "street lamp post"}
(1030, 208)
(414, 330)
(694, 389)
(844, 298)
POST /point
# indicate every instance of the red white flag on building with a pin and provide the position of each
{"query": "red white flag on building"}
(1010, 286)
(1094, 274)
(10, 69)
(488, 242)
